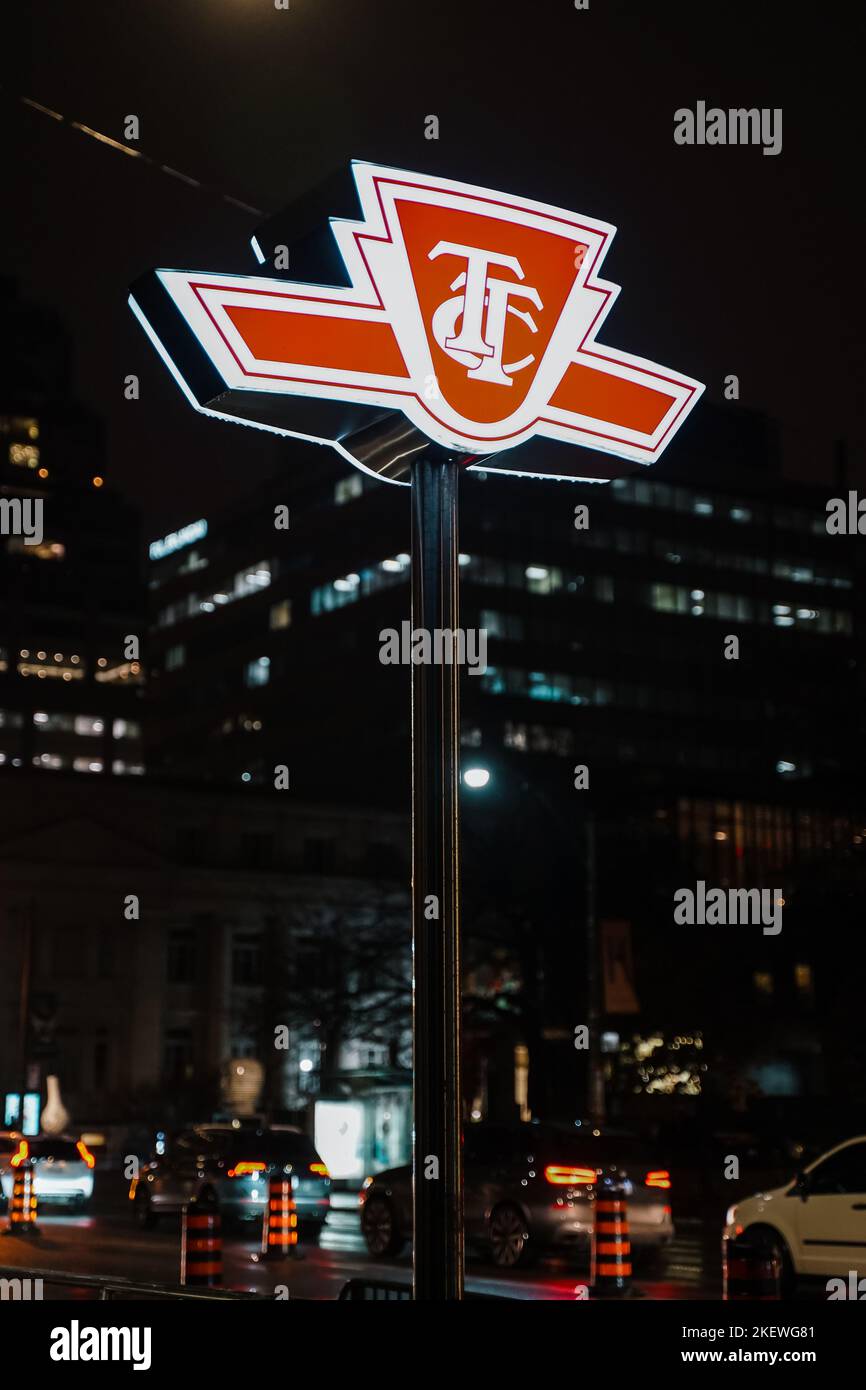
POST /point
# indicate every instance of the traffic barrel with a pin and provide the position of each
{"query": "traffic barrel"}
(201, 1243)
(750, 1271)
(611, 1247)
(280, 1226)
(23, 1206)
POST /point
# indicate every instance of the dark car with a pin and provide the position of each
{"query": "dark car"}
(234, 1164)
(528, 1188)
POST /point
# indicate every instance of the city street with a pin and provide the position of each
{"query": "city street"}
(106, 1241)
(432, 669)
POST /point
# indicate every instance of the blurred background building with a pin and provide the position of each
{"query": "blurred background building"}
(69, 694)
(262, 908)
(606, 649)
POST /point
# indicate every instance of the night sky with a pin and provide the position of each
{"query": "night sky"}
(730, 261)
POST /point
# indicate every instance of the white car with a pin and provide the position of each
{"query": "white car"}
(817, 1223)
(63, 1169)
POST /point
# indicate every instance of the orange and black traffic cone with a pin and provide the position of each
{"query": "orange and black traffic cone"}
(23, 1206)
(201, 1244)
(280, 1227)
(611, 1248)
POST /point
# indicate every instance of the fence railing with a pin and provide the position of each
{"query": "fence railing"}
(389, 1291)
(106, 1289)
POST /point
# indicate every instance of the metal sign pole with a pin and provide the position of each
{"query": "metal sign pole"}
(437, 1155)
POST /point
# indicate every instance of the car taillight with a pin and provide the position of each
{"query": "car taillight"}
(85, 1153)
(658, 1177)
(22, 1153)
(246, 1169)
(562, 1176)
(362, 1195)
(320, 1169)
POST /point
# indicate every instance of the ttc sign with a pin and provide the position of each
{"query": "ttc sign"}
(472, 315)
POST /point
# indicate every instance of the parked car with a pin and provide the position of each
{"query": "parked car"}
(816, 1222)
(234, 1164)
(528, 1188)
(63, 1168)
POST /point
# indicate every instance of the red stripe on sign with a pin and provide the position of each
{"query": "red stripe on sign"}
(317, 340)
(601, 396)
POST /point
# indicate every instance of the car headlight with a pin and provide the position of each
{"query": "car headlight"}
(731, 1216)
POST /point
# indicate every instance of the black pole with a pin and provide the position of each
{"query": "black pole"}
(595, 1079)
(437, 1157)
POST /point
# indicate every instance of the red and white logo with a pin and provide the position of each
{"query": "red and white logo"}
(474, 313)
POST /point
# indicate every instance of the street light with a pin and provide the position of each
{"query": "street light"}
(476, 777)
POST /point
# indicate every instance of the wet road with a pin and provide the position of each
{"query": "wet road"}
(107, 1242)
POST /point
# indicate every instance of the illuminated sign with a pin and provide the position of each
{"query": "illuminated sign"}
(28, 1119)
(472, 313)
(176, 540)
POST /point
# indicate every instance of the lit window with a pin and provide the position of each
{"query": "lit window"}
(87, 726)
(175, 657)
(248, 581)
(347, 488)
(21, 426)
(51, 761)
(44, 671)
(396, 564)
(543, 579)
(350, 587)
(126, 728)
(602, 588)
(257, 672)
(669, 598)
(281, 615)
(763, 982)
(803, 979)
(24, 455)
(54, 723)
(126, 672)
(516, 736)
(88, 765)
(45, 550)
